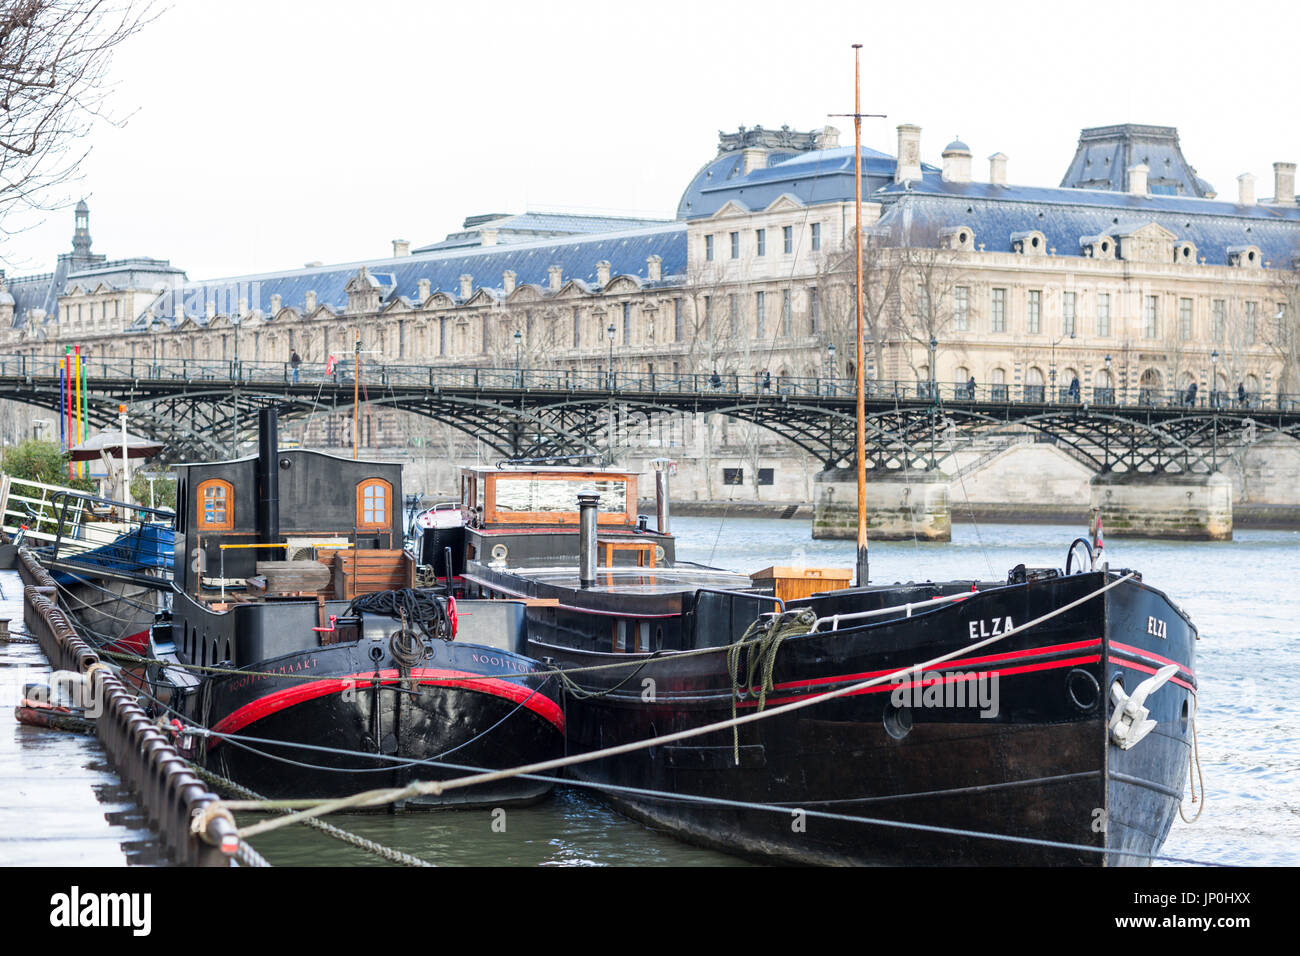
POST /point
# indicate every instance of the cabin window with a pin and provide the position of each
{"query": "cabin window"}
(374, 500)
(216, 505)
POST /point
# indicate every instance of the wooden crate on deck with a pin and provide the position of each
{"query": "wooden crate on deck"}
(368, 570)
(789, 584)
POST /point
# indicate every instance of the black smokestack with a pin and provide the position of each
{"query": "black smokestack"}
(268, 477)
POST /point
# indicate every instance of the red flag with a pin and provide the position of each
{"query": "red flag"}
(329, 365)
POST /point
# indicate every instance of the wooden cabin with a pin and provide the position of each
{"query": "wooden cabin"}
(524, 516)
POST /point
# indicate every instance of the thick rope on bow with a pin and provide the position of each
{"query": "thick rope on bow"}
(759, 644)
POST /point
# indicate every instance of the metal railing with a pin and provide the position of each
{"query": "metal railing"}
(309, 376)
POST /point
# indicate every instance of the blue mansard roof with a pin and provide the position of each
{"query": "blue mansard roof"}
(1066, 215)
(399, 278)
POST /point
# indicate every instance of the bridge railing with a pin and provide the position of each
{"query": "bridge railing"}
(309, 376)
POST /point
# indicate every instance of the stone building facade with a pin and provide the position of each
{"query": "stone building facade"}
(1135, 283)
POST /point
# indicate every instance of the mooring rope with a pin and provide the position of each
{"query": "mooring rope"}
(343, 836)
(1194, 766)
(372, 798)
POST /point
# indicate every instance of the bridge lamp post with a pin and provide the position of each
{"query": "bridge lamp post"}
(1110, 380)
(934, 345)
(1214, 378)
(830, 368)
(1052, 371)
(610, 333)
(519, 344)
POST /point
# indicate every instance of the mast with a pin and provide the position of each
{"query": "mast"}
(857, 290)
(857, 296)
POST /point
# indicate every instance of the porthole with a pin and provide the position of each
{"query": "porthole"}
(1083, 689)
(499, 552)
(659, 554)
(898, 721)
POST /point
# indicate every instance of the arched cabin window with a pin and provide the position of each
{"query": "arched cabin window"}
(216, 505)
(374, 503)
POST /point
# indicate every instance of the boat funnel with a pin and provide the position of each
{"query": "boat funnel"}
(268, 477)
(663, 468)
(587, 503)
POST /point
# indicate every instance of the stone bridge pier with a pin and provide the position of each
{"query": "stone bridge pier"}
(1162, 505)
(900, 505)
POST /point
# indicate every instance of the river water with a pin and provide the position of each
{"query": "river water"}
(1240, 595)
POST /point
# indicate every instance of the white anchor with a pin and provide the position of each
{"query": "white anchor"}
(1129, 723)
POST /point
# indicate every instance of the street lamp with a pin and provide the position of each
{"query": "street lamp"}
(1052, 372)
(610, 332)
(1110, 383)
(519, 340)
(934, 344)
(1214, 378)
(830, 368)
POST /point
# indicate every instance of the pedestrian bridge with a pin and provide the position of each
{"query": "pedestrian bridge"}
(205, 410)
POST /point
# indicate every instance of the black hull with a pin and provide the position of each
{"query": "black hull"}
(351, 704)
(463, 703)
(1042, 768)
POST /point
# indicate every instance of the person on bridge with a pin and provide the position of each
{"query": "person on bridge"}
(1074, 389)
(1190, 397)
(767, 380)
(1241, 394)
(294, 361)
(970, 388)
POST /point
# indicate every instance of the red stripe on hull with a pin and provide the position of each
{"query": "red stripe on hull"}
(1000, 672)
(535, 701)
(947, 665)
(1141, 652)
(1150, 670)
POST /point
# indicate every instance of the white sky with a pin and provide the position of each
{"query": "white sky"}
(264, 134)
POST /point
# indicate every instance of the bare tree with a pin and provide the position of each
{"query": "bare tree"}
(54, 85)
(881, 274)
(1282, 328)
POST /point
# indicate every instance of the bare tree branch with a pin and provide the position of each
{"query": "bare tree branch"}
(55, 57)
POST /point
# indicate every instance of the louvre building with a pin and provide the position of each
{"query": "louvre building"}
(1133, 277)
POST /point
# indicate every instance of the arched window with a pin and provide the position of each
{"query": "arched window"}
(216, 505)
(374, 503)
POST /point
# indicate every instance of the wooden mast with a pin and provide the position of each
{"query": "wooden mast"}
(862, 562)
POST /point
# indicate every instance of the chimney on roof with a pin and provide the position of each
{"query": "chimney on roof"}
(1246, 189)
(602, 273)
(956, 162)
(755, 158)
(1284, 184)
(275, 304)
(401, 247)
(654, 267)
(309, 301)
(488, 236)
(466, 286)
(508, 281)
(1137, 179)
(909, 153)
(423, 287)
(998, 169)
(556, 274)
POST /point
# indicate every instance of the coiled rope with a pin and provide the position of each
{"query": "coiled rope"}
(759, 644)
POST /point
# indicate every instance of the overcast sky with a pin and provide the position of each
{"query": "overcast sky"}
(264, 134)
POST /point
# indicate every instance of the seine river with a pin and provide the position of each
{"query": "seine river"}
(1240, 594)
